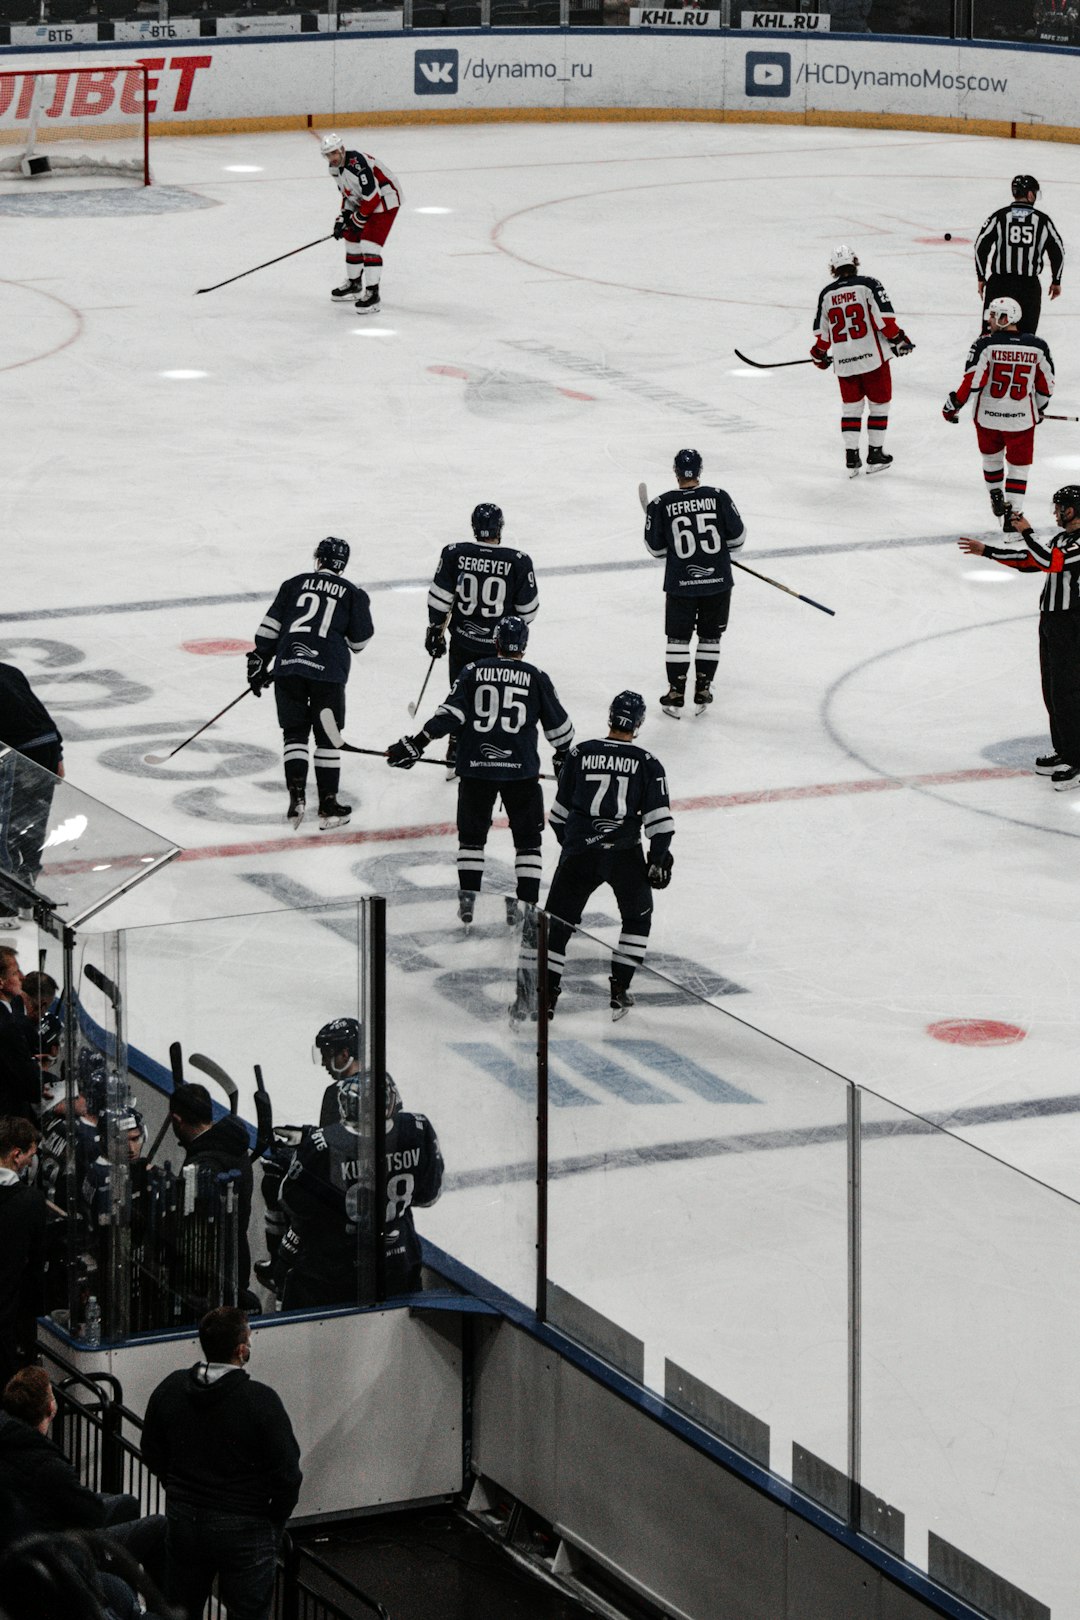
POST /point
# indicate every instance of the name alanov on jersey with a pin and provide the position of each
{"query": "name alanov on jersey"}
(609, 762)
(322, 582)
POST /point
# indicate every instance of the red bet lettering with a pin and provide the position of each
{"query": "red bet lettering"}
(151, 63)
(59, 96)
(131, 91)
(95, 93)
(189, 66)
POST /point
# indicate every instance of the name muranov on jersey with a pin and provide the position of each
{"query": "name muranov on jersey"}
(609, 762)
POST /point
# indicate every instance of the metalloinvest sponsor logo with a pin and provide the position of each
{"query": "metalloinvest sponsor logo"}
(839, 73)
(768, 73)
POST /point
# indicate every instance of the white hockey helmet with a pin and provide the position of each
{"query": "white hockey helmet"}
(1003, 312)
(841, 257)
(331, 143)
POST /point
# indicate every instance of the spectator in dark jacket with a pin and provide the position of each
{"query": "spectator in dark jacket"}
(27, 726)
(224, 1447)
(22, 1246)
(222, 1145)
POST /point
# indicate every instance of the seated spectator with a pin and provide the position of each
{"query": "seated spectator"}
(222, 1146)
(22, 1245)
(73, 1576)
(48, 1491)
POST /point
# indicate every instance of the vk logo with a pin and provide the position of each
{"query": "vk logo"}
(768, 73)
(436, 73)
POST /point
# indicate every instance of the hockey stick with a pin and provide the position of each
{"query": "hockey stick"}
(105, 985)
(414, 706)
(1052, 416)
(176, 1064)
(771, 365)
(264, 1117)
(643, 497)
(160, 759)
(333, 731)
(214, 1070)
(266, 265)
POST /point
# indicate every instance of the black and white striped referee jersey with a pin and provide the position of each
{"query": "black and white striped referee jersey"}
(1058, 558)
(1015, 241)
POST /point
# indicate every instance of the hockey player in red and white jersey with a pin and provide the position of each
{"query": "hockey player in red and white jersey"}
(370, 199)
(856, 333)
(1010, 375)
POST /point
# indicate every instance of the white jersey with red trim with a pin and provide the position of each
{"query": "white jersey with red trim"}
(366, 187)
(853, 316)
(1011, 376)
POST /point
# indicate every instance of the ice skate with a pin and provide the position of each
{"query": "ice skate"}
(621, 1000)
(1047, 764)
(1068, 777)
(854, 463)
(997, 503)
(877, 460)
(333, 814)
(368, 302)
(702, 696)
(513, 911)
(523, 1006)
(466, 905)
(349, 288)
(297, 806)
(554, 992)
(673, 701)
(1008, 519)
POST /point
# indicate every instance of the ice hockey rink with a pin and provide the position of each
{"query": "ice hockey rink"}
(864, 862)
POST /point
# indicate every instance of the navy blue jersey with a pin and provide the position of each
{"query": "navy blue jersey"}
(478, 584)
(695, 530)
(494, 710)
(314, 624)
(610, 795)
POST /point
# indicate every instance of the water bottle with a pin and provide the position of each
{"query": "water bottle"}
(92, 1325)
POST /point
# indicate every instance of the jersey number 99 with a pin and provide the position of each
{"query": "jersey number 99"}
(485, 598)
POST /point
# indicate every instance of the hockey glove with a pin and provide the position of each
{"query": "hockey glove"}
(660, 871)
(340, 227)
(404, 754)
(821, 357)
(951, 409)
(558, 760)
(257, 673)
(900, 345)
(435, 641)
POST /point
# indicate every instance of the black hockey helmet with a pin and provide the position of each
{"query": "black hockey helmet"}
(1023, 184)
(627, 712)
(93, 1079)
(1068, 495)
(50, 1033)
(341, 1035)
(687, 463)
(511, 636)
(487, 521)
(333, 553)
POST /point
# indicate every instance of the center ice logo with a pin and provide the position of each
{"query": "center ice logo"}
(436, 73)
(768, 73)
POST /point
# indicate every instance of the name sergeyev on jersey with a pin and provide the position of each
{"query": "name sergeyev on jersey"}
(486, 565)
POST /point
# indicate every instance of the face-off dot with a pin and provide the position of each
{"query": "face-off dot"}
(976, 1032)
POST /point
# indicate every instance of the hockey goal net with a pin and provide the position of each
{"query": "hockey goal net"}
(75, 120)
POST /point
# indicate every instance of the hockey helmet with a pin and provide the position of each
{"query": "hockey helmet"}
(350, 1100)
(842, 258)
(129, 1124)
(50, 1033)
(1003, 312)
(1023, 185)
(1068, 496)
(331, 143)
(337, 1044)
(93, 1079)
(487, 521)
(511, 636)
(333, 553)
(688, 463)
(627, 712)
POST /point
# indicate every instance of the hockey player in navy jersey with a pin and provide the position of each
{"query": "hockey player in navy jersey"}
(855, 332)
(495, 709)
(477, 583)
(694, 528)
(315, 623)
(370, 200)
(612, 793)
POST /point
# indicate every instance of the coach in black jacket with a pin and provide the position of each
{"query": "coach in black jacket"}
(224, 1447)
(223, 1145)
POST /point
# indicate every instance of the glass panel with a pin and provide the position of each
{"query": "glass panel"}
(698, 1200)
(932, 18)
(65, 847)
(970, 1316)
(1051, 22)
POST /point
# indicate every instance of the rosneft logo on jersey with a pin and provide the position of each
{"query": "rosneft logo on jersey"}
(768, 73)
(436, 73)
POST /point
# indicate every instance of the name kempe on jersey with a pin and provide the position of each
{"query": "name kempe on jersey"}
(495, 708)
(313, 625)
(481, 584)
(610, 794)
(853, 315)
(1012, 376)
(696, 530)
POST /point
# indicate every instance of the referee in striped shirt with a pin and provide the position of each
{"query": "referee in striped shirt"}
(1059, 626)
(1010, 249)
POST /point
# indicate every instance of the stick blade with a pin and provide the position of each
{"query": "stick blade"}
(643, 496)
(155, 759)
(412, 708)
(331, 727)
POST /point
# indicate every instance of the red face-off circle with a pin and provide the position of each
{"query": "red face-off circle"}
(213, 647)
(976, 1032)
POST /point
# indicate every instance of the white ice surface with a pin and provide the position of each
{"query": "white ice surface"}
(547, 342)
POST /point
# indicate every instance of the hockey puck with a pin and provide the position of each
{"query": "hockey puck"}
(948, 236)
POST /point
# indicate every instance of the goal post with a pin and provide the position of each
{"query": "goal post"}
(76, 120)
